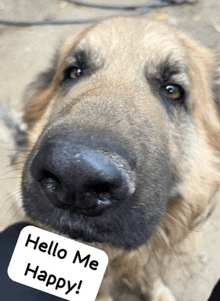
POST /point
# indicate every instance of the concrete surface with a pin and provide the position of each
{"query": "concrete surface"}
(24, 51)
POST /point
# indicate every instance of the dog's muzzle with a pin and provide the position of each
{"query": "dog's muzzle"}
(81, 177)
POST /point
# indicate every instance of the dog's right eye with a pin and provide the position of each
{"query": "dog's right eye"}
(72, 73)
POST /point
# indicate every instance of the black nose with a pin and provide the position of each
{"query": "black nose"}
(84, 177)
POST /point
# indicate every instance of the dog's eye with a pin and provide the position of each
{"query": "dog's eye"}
(174, 92)
(72, 73)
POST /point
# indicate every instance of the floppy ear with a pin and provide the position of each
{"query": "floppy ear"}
(202, 71)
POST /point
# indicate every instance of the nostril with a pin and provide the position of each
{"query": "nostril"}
(100, 188)
(103, 193)
(95, 198)
(53, 189)
(50, 182)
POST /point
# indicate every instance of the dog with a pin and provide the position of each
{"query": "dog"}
(123, 141)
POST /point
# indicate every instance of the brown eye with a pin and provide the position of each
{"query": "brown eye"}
(72, 73)
(174, 92)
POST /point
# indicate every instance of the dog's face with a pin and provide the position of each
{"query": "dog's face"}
(113, 130)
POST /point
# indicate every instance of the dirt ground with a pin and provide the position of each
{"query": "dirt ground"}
(24, 51)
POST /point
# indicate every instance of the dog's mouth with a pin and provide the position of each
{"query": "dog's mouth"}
(123, 226)
(90, 191)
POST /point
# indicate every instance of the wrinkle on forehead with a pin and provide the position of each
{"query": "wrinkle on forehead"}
(133, 42)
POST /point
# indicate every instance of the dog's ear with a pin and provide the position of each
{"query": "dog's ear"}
(202, 71)
(39, 93)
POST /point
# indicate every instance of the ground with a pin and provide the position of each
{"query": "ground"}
(25, 51)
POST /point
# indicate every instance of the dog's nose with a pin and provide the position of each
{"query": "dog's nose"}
(82, 178)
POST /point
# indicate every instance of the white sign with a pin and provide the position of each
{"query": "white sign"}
(57, 265)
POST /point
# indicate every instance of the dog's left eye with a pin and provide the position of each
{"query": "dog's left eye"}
(174, 92)
(72, 73)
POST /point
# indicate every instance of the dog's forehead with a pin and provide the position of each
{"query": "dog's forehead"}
(124, 37)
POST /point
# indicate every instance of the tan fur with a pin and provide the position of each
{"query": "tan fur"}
(139, 269)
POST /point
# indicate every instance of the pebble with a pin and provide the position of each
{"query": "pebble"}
(204, 257)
